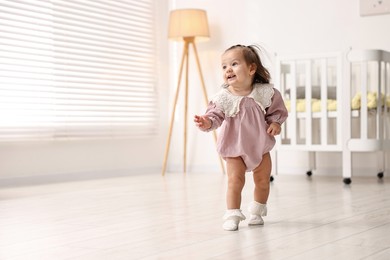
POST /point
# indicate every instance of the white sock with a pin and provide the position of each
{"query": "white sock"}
(232, 218)
(257, 210)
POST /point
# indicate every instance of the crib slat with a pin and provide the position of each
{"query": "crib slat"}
(308, 87)
(293, 105)
(379, 121)
(343, 101)
(324, 104)
(363, 103)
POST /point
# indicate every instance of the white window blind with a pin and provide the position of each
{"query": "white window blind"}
(77, 69)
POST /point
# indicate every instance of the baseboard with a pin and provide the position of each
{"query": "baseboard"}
(74, 176)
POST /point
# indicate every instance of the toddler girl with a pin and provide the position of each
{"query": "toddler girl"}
(250, 111)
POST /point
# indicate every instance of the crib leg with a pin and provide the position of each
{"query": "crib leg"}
(312, 163)
(347, 166)
(381, 164)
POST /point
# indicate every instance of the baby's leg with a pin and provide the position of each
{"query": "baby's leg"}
(236, 180)
(261, 178)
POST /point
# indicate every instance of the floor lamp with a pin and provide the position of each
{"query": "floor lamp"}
(187, 25)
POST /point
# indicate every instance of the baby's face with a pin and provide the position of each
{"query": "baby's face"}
(236, 72)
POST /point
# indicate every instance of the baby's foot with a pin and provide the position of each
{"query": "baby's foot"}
(232, 218)
(257, 210)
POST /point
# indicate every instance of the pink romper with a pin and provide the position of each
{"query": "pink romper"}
(244, 121)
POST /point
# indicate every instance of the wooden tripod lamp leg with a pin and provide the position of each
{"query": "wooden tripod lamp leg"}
(206, 99)
(185, 54)
(185, 113)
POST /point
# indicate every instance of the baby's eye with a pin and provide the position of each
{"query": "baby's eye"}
(234, 64)
(224, 67)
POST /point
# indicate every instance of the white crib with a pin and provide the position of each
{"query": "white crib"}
(335, 106)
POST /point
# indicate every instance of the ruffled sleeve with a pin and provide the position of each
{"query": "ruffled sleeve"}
(277, 111)
(216, 116)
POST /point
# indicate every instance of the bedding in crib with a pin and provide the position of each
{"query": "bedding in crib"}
(332, 103)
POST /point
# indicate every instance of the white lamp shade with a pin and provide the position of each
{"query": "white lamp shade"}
(188, 23)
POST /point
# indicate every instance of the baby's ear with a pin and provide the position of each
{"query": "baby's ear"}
(252, 69)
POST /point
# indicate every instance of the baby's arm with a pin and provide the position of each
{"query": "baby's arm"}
(203, 122)
(276, 114)
(211, 120)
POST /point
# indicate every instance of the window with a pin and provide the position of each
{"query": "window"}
(77, 69)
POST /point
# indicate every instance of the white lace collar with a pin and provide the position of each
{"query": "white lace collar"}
(230, 104)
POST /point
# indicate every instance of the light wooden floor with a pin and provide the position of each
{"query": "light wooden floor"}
(180, 217)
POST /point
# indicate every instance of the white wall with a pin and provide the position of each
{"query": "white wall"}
(280, 26)
(94, 157)
(301, 26)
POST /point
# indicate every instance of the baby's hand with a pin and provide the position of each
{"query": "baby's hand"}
(202, 122)
(274, 129)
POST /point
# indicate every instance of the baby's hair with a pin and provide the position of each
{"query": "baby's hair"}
(251, 55)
